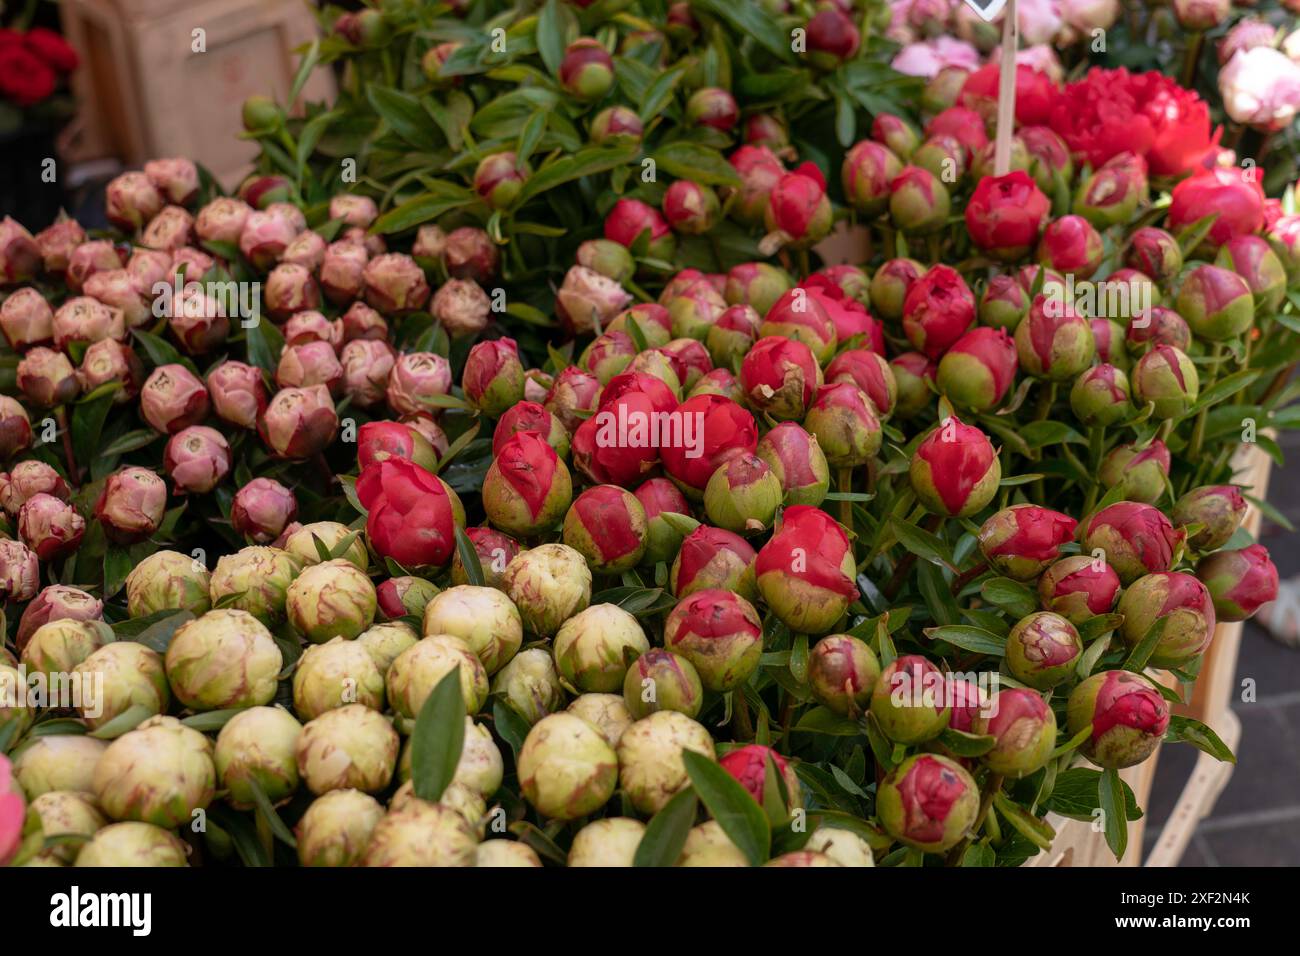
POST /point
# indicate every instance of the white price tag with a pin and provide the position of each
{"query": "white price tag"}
(987, 9)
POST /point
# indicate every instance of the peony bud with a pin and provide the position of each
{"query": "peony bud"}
(56, 603)
(1218, 508)
(131, 505)
(20, 572)
(398, 598)
(1154, 252)
(798, 207)
(314, 363)
(1043, 650)
(46, 377)
(587, 71)
(928, 802)
(1079, 588)
(527, 488)
(918, 202)
(1163, 327)
(1072, 246)
(712, 107)
(1135, 539)
(417, 376)
(712, 558)
(1100, 396)
(1128, 715)
(690, 208)
(1253, 260)
(52, 528)
(131, 200)
(1167, 378)
(1178, 606)
(617, 125)
(573, 393)
(1022, 540)
(843, 420)
(979, 368)
(395, 284)
(842, 671)
(566, 769)
(469, 253)
(238, 393)
(493, 379)
(172, 398)
(1024, 729)
(55, 244)
(607, 526)
(1240, 582)
(549, 584)
(1005, 213)
(1216, 302)
(1054, 342)
(806, 572)
(588, 301)
(366, 366)
(499, 179)
(955, 470)
(530, 685)
(780, 376)
(759, 171)
(867, 172)
(299, 422)
(15, 428)
(1143, 474)
(26, 319)
(1235, 198)
(937, 310)
(99, 255)
(83, 320)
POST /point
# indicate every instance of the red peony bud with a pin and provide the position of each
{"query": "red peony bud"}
(1128, 715)
(1234, 196)
(866, 173)
(587, 70)
(1079, 588)
(1054, 342)
(806, 572)
(955, 470)
(713, 107)
(1135, 539)
(1005, 213)
(1071, 245)
(1240, 582)
(493, 379)
(607, 526)
(720, 633)
(713, 559)
(895, 133)
(979, 369)
(870, 372)
(748, 765)
(409, 513)
(938, 308)
(713, 429)
(759, 171)
(527, 489)
(798, 206)
(1218, 508)
(780, 376)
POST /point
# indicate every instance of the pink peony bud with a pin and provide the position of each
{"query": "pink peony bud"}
(30, 478)
(172, 398)
(56, 603)
(20, 571)
(573, 392)
(530, 417)
(56, 243)
(493, 379)
(499, 179)
(759, 171)
(798, 207)
(1072, 246)
(131, 505)
(691, 208)
(110, 361)
(1135, 539)
(469, 253)
(196, 459)
(238, 393)
(629, 219)
(1255, 262)
(354, 210)
(90, 257)
(46, 377)
(264, 238)
(1054, 342)
(171, 229)
(394, 284)
(1005, 213)
(222, 221)
(1240, 582)
(83, 320)
(713, 107)
(177, 179)
(262, 509)
(867, 172)
(314, 363)
(587, 70)
(806, 571)
(461, 306)
(415, 376)
(52, 528)
(362, 322)
(617, 125)
(131, 200)
(1234, 195)
(367, 365)
(15, 428)
(587, 301)
(1218, 508)
(26, 319)
(299, 422)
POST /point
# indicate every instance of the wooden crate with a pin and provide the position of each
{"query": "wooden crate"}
(1076, 843)
(145, 93)
(1213, 693)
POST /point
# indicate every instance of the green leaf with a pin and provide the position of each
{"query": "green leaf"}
(242, 832)
(129, 719)
(738, 813)
(158, 635)
(1095, 627)
(456, 447)
(1073, 742)
(403, 114)
(552, 35)
(660, 92)
(420, 209)
(1140, 655)
(117, 565)
(968, 638)
(265, 343)
(700, 163)
(819, 720)
(979, 854)
(1110, 797)
(308, 63)
(585, 162)
(88, 417)
(1042, 433)
(131, 441)
(267, 812)
(1075, 795)
(1038, 832)
(964, 744)
(881, 748)
(469, 558)
(666, 833)
(160, 351)
(511, 725)
(438, 737)
(1225, 388)
(211, 720)
(750, 20)
(921, 543)
(799, 658)
(1012, 596)
(1191, 731)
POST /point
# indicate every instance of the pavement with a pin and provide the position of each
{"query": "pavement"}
(1256, 821)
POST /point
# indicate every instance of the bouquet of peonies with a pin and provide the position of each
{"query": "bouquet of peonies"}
(434, 519)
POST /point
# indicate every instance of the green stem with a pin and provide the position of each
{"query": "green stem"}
(1198, 430)
(740, 722)
(1192, 58)
(844, 483)
(994, 784)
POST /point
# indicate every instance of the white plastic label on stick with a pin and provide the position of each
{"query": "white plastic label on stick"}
(987, 9)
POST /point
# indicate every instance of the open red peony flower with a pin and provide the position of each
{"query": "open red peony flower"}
(25, 79)
(1110, 111)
